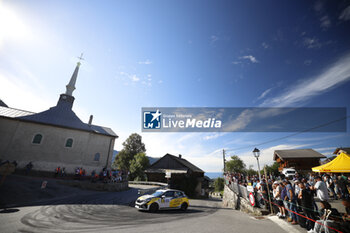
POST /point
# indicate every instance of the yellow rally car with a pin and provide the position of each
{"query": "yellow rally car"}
(163, 199)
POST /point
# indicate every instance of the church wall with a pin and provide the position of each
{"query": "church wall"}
(7, 130)
(16, 144)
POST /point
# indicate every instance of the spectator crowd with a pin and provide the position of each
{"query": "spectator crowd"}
(295, 199)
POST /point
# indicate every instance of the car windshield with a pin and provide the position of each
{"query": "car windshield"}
(157, 193)
(290, 172)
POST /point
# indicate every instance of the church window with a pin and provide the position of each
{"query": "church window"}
(37, 139)
(69, 142)
(97, 157)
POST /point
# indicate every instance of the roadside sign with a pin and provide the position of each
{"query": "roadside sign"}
(167, 174)
(250, 188)
(251, 199)
(43, 185)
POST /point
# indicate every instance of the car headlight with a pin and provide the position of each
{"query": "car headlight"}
(147, 200)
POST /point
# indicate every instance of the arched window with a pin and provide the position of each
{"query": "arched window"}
(69, 142)
(37, 138)
(97, 157)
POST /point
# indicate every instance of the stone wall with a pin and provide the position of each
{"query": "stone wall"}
(112, 187)
(232, 200)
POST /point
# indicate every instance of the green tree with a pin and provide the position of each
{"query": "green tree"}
(273, 169)
(137, 167)
(219, 184)
(132, 146)
(235, 164)
(250, 171)
(122, 161)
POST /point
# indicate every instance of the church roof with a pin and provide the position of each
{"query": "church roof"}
(3, 104)
(57, 116)
(65, 117)
(12, 112)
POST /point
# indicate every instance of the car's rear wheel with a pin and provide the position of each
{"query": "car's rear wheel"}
(153, 208)
(184, 206)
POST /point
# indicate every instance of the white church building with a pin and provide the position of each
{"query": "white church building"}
(55, 137)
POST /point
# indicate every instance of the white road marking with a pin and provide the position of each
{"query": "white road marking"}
(284, 225)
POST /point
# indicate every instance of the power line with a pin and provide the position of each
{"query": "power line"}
(291, 135)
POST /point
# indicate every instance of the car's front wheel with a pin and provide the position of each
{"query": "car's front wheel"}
(153, 208)
(184, 206)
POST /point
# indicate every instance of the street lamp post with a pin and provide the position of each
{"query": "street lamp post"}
(256, 153)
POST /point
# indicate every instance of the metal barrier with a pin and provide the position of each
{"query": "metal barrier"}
(239, 189)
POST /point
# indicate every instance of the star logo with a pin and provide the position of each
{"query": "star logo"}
(152, 119)
(156, 115)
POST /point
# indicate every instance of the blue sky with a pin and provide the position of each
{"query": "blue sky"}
(180, 54)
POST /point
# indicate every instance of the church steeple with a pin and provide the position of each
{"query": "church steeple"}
(71, 85)
(66, 100)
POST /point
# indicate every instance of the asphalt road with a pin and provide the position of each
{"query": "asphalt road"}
(112, 212)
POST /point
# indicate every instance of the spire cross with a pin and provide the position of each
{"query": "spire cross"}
(81, 57)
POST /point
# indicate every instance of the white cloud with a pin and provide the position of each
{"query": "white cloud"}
(213, 136)
(312, 43)
(266, 155)
(250, 58)
(265, 45)
(131, 77)
(160, 81)
(134, 78)
(146, 62)
(325, 149)
(265, 93)
(311, 139)
(345, 15)
(334, 75)
(325, 22)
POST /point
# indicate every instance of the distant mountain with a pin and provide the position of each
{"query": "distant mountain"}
(115, 152)
(152, 160)
(213, 175)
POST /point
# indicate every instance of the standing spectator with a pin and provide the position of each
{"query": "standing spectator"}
(292, 202)
(63, 172)
(264, 193)
(57, 171)
(296, 192)
(330, 186)
(277, 190)
(321, 189)
(29, 167)
(284, 198)
(306, 197)
(343, 183)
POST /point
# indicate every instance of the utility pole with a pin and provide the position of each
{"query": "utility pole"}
(268, 189)
(224, 159)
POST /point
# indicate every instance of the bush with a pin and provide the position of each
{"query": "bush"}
(219, 184)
